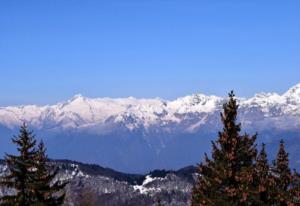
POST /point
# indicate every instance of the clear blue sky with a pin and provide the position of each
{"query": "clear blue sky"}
(53, 49)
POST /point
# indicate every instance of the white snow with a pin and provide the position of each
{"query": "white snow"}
(195, 103)
(70, 174)
(143, 189)
(101, 114)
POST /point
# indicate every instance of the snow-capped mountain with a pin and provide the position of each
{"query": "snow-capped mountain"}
(123, 133)
(83, 113)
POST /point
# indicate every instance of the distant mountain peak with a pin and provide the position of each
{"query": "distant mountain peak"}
(293, 91)
(85, 112)
(77, 97)
(138, 130)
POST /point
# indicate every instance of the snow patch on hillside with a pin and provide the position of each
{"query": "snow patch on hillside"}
(144, 188)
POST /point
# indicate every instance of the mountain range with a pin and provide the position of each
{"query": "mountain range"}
(138, 135)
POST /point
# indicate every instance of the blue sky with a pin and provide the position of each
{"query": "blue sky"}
(53, 49)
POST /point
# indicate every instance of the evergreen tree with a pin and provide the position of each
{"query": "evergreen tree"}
(295, 188)
(283, 178)
(46, 192)
(227, 178)
(21, 170)
(30, 175)
(264, 180)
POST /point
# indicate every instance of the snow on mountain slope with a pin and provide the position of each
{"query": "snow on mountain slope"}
(137, 135)
(81, 112)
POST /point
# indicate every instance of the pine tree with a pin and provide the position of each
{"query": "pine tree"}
(264, 180)
(227, 178)
(295, 188)
(46, 192)
(21, 170)
(30, 175)
(283, 178)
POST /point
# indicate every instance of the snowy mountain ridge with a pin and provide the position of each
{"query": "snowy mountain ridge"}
(138, 135)
(84, 113)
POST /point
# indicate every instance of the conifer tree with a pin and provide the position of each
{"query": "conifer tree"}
(227, 178)
(295, 188)
(265, 183)
(30, 176)
(21, 170)
(283, 178)
(46, 192)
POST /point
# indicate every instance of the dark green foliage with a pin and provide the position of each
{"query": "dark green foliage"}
(263, 178)
(30, 176)
(227, 178)
(283, 178)
(21, 170)
(295, 188)
(45, 191)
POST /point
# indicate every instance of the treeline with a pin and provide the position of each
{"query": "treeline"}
(237, 175)
(30, 178)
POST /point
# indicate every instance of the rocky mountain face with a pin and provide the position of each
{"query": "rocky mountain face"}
(92, 185)
(139, 135)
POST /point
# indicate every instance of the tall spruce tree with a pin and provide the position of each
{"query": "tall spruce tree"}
(227, 178)
(30, 176)
(21, 169)
(264, 180)
(283, 178)
(46, 192)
